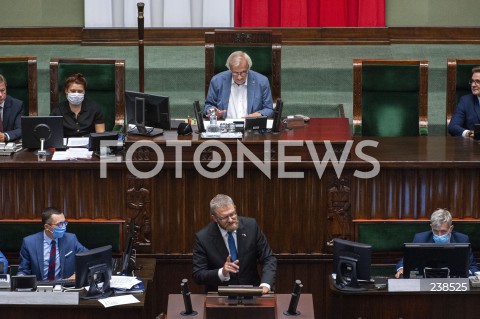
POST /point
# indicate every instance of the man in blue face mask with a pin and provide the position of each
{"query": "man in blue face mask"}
(50, 254)
(441, 233)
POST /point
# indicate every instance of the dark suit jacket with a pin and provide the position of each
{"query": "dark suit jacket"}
(12, 118)
(210, 254)
(259, 95)
(466, 115)
(31, 255)
(427, 237)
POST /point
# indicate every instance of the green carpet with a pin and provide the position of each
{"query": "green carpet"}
(314, 78)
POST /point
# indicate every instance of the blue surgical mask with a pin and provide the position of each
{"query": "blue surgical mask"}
(75, 98)
(59, 231)
(441, 239)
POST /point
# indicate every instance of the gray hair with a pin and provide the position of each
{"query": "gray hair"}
(236, 58)
(439, 217)
(220, 201)
(3, 79)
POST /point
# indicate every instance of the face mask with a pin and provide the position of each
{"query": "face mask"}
(75, 98)
(59, 231)
(441, 239)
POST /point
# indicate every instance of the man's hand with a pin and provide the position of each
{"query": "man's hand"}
(2, 137)
(265, 290)
(254, 114)
(218, 113)
(230, 267)
(399, 273)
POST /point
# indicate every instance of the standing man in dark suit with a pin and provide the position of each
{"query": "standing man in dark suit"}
(11, 111)
(227, 250)
(441, 233)
(53, 242)
(239, 92)
(467, 113)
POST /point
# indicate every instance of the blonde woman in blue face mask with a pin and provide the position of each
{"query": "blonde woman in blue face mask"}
(80, 115)
(441, 233)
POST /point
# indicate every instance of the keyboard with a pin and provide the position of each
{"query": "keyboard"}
(63, 282)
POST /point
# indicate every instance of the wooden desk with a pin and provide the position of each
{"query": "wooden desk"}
(175, 306)
(92, 308)
(394, 305)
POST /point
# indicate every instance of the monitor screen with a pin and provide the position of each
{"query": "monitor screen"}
(257, 123)
(152, 110)
(199, 117)
(95, 139)
(93, 267)
(349, 257)
(49, 128)
(277, 116)
(129, 258)
(454, 258)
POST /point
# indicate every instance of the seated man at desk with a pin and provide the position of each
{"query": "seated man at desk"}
(441, 233)
(239, 92)
(467, 113)
(50, 254)
(216, 259)
(3, 260)
(80, 116)
(11, 111)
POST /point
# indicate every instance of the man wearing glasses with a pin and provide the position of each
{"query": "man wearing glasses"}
(239, 92)
(441, 233)
(227, 250)
(467, 113)
(50, 254)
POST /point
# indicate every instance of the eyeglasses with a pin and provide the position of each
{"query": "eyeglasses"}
(477, 82)
(244, 73)
(232, 215)
(60, 224)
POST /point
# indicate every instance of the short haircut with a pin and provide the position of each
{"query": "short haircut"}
(48, 212)
(236, 58)
(77, 78)
(3, 79)
(439, 217)
(476, 69)
(220, 201)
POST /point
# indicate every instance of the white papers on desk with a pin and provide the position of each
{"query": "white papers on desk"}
(118, 300)
(77, 142)
(123, 282)
(72, 154)
(269, 121)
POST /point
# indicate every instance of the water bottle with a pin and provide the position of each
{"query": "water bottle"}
(213, 127)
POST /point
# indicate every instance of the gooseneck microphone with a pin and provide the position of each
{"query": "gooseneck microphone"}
(292, 307)
(187, 300)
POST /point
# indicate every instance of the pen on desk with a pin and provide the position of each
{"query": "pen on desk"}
(68, 253)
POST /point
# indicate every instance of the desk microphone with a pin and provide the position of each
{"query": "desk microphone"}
(292, 307)
(187, 300)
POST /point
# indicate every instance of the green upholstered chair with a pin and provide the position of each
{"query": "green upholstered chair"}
(459, 72)
(21, 75)
(263, 46)
(105, 85)
(390, 97)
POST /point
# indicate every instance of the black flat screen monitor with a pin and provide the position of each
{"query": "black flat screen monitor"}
(50, 128)
(95, 139)
(450, 259)
(129, 258)
(277, 116)
(199, 117)
(257, 123)
(93, 267)
(351, 263)
(155, 113)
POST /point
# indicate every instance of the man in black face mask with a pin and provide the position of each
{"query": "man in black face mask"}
(50, 254)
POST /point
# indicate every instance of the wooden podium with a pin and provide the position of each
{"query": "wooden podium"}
(212, 306)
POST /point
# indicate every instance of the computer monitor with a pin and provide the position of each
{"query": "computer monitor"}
(199, 117)
(258, 123)
(129, 258)
(93, 269)
(46, 128)
(277, 116)
(95, 139)
(155, 111)
(440, 260)
(351, 263)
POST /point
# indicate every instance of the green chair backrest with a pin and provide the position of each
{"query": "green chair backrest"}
(261, 58)
(390, 100)
(464, 74)
(16, 73)
(100, 86)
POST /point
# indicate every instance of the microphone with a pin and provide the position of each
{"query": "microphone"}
(292, 307)
(187, 300)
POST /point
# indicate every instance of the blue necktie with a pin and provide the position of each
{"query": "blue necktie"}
(231, 246)
(51, 261)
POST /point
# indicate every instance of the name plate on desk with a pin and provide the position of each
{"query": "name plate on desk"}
(429, 284)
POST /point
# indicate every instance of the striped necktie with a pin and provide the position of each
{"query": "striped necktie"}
(51, 261)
